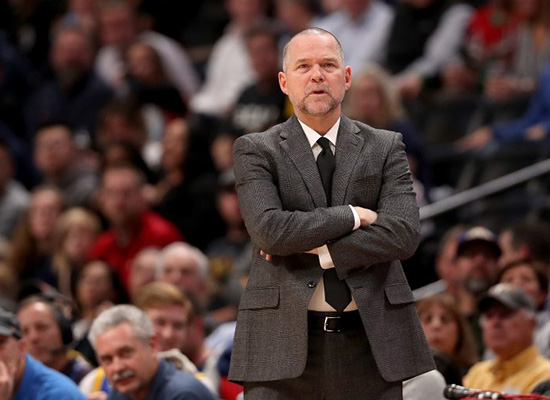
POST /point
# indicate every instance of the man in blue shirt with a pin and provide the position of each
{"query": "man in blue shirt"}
(124, 341)
(533, 125)
(21, 376)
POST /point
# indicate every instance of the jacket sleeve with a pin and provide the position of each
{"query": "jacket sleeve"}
(395, 233)
(272, 229)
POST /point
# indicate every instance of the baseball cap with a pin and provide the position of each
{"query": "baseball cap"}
(9, 326)
(478, 234)
(510, 296)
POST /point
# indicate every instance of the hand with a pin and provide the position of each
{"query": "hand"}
(265, 255)
(7, 378)
(535, 133)
(98, 396)
(475, 140)
(409, 86)
(366, 216)
(500, 88)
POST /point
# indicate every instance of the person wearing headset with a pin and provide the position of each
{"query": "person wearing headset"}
(47, 332)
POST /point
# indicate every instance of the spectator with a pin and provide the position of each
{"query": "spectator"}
(132, 225)
(445, 260)
(296, 15)
(187, 268)
(14, 198)
(415, 55)
(508, 92)
(123, 337)
(47, 334)
(170, 312)
(33, 243)
(508, 321)
(532, 126)
(119, 29)
(221, 151)
(186, 195)
(122, 121)
(488, 46)
(525, 240)
(147, 81)
(144, 269)
(372, 100)
(229, 58)
(59, 161)
(75, 93)
(363, 28)
(26, 377)
(76, 231)
(96, 288)
(533, 278)
(118, 152)
(262, 104)
(477, 254)
(178, 326)
(447, 331)
(224, 253)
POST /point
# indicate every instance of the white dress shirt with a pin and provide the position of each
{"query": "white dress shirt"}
(318, 302)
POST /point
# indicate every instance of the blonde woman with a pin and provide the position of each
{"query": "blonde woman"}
(76, 231)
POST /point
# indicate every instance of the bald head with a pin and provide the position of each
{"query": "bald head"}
(311, 32)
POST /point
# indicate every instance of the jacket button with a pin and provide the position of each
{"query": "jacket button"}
(311, 284)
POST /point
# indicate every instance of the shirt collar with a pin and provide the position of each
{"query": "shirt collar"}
(503, 369)
(313, 136)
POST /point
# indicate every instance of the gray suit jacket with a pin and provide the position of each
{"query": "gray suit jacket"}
(284, 208)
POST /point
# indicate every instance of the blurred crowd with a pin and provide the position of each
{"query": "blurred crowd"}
(117, 119)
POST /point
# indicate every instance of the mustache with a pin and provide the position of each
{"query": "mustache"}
(123, 375)
(315, 88)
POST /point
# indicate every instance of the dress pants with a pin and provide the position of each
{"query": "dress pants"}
(340, 366)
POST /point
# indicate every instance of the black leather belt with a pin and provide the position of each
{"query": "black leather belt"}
(334, 322)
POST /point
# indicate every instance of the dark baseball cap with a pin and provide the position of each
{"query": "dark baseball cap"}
(478, 234)
(510, 296)
(9, 326)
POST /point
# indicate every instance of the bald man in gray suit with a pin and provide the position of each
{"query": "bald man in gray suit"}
(327, 312)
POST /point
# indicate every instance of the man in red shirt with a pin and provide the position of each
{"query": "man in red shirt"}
(132, 225)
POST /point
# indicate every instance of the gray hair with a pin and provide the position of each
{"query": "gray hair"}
(312, 31)
(142, 327)
(185, 250)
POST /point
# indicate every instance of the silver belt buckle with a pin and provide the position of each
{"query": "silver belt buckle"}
(326, 328)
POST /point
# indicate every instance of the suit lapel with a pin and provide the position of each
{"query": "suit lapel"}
(296, 145)
(348, 148)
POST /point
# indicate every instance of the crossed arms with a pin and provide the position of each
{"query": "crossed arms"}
(393, 235)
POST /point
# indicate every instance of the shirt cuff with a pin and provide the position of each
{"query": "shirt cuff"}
(356, 218)
(324, 257)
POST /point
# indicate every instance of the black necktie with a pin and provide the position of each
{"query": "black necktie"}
(337, 292)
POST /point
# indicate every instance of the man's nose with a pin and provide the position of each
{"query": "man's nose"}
(317, 74)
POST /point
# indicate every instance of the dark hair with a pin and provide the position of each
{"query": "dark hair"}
(52, 123)
(120, 293)
(533, 234)
(540, 270)
(264, 28)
